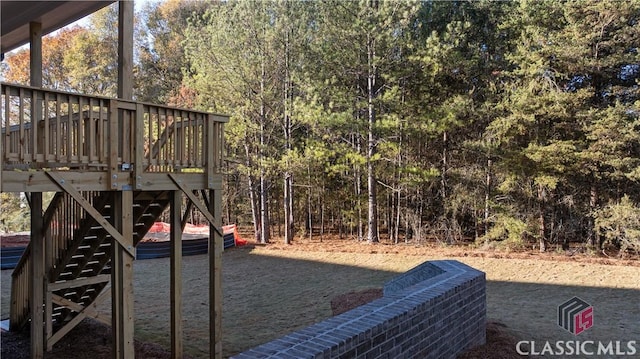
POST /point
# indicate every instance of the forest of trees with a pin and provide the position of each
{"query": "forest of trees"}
(502, 123)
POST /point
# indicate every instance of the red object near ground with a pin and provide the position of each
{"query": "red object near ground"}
(162, 227)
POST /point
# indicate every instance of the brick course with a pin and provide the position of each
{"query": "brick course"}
(435, 310)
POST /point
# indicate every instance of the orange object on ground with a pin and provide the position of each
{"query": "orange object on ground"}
(232, 228)
(162, 227)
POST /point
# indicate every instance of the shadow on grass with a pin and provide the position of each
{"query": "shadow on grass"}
(267, 296)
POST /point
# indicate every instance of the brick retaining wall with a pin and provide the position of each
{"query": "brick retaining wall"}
(435, 310)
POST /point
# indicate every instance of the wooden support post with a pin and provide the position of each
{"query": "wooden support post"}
(38, 272)
(125, 50)
(215, 274)
(35, 54)
(176, 275)
(37, 277)
(122, 278)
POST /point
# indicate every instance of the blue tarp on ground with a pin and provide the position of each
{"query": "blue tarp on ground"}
(10, 256)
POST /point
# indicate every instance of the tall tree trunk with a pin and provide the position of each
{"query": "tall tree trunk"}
(252, 198)
(397, 228)
(264, 208)
(321, 204)
(443, 175)
(372, 218)
(487, 198)
(288, 176)
(358, 190)
(309, 213)
(541, 219)
(594, 240)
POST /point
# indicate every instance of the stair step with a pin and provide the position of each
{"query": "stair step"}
(88, 252)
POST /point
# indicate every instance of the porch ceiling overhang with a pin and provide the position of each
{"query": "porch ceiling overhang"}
(16, 15)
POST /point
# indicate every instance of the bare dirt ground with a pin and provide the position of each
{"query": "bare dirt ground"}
(272, 290)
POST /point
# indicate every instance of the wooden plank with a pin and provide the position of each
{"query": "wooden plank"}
(48, 317)
(138, 147)
(50, 253)
(58, 145)
(37, 277)
(127, 105)
(125, 50)
(38, 271)
(102, 278)
(196, 202)
(112, 135)
(35, 54)
(36, 117)
(122, 278)
(46, 145)
(211, 147)
(215, 275)
(83, 312)
(38, 181)
(120, 238)
(103, 144)
(89, 311)
(69, 132)
(176, 275)
(21, 140)
(80, 140)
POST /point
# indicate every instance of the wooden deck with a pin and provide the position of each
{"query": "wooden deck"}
(115, 166)
(102, 144)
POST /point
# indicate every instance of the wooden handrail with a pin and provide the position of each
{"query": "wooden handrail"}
(92, 133)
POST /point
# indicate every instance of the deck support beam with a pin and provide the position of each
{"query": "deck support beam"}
(176, 275)
(38, 273)
(122, 278)
(215, 273)
(38, 276)
(213, 213)
(207, 213)
(125, 49)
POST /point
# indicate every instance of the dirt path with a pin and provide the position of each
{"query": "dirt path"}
(271, 291)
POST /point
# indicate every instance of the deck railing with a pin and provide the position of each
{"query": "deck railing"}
(60, 222)
(45, 129)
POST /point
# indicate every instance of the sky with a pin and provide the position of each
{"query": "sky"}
(138, 5)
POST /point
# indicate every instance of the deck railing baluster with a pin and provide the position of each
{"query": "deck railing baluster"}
(46, 129)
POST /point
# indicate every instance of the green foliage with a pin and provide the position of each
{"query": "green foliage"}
(92, 60)
(505, 121)
(508, 230)
(619, 223)
(161, 56)
(14, 213)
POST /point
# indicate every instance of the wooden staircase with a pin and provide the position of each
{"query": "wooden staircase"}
(115, 166)
(78, 264)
